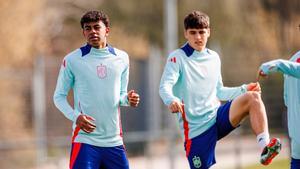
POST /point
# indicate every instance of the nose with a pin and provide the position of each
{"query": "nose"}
(198, 36)
(93, 30)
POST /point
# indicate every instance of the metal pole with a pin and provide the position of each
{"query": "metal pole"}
(154, 102)
(39, 109)
(171, 40)
(170, 25)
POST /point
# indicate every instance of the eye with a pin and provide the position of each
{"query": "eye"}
(97, 27)
(192, 32)
(87, 28)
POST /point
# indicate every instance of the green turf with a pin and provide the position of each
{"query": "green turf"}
(276, 164)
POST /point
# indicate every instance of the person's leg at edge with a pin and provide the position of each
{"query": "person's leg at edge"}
(251, 104)
(295, 163)
(295, 153)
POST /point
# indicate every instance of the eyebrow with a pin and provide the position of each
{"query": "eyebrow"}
(92, 25)
(200, 31)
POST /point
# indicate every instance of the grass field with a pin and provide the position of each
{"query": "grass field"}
(277, 164)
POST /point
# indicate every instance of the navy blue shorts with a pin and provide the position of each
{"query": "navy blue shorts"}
(202, 150)
(295, 163)
(85, 156)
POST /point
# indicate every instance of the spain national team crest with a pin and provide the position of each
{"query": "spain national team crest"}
(197, 162)
(101, 71)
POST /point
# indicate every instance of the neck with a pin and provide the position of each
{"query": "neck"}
(99, 46)
(102, 45)
(200, 50)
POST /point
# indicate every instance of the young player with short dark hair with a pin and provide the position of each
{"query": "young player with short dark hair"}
(98, 74)
(191, 86)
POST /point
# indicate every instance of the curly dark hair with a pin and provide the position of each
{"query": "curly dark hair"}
(196, 19)
(94, 16)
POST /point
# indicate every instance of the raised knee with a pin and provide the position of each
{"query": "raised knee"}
(253, 96)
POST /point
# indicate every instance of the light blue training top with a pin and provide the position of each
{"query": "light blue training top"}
(194, 78)
(291, 70)
(99, 79)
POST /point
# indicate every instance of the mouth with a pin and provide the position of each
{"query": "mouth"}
(94, 38)
(198, 43)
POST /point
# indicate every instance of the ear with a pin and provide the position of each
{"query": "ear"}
(107, 30)
(185, 32)
(83, 33)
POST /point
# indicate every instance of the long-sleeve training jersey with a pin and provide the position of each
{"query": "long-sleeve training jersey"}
(291, 70)
(194, 78)
(99, 79)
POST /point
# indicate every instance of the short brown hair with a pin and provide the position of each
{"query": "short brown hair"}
(196, 19)
(94, 16)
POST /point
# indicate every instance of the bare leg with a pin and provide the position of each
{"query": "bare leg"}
(250, 104)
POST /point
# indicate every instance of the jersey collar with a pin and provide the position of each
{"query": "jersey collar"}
(87, 49)
(188, 50)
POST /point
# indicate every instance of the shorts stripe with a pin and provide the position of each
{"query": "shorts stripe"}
(74, 153)
(76, 131)
(186, 128)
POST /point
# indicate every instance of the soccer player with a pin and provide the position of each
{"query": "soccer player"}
(191, 86)
(98, 74)
(291, 70)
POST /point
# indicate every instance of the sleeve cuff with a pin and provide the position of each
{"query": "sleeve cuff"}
(76, 114)
(124, 101)
(170, 101)
(244, 88)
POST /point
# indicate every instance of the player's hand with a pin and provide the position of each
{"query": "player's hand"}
(85, 123)
(261, 74)
(254, 87)
(176, 107)
(265, 73)
(133, 98)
